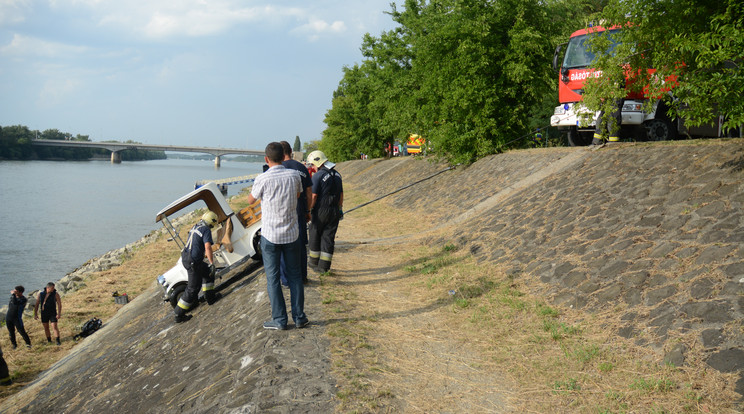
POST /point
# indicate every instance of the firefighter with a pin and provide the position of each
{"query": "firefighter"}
(200, 273)
(607, 129)
(326, 211)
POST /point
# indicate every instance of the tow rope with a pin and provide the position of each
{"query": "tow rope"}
(402, 188)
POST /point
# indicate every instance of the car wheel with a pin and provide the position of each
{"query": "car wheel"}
(176, 294)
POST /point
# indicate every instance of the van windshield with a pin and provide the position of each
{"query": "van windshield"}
(578, 53)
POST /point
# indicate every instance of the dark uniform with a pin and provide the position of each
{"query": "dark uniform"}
(14, 319)
(4, 371)
(192, 258)
(328, 188)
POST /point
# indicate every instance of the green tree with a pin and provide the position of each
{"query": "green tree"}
(15, 142)
(700, 44)
(470, 76)
(297, 146)
(310, 146)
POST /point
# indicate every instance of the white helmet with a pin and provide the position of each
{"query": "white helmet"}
(210, 218)
(317, 158)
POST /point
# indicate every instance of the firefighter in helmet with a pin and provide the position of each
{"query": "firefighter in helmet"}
(325, 211)
(201, 273)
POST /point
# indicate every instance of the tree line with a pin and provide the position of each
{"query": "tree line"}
(15, 144)
(475, 77)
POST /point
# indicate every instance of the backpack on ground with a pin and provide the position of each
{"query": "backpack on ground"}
(89, 327)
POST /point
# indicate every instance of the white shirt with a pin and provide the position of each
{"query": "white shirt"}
(277, 189)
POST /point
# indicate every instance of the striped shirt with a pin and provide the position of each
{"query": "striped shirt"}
(277, 189)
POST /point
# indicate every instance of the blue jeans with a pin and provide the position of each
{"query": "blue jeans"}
(272, 254)
(303, 253)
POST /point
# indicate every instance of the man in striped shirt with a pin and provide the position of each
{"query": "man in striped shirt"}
(278, 189)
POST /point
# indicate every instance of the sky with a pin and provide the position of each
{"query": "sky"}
(223, 73)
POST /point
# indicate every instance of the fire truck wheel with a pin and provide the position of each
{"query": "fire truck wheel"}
(579, 139)
(660, 129)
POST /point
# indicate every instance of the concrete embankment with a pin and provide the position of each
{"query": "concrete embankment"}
(652, 232)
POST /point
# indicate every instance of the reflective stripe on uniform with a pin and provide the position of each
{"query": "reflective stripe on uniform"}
(597, 136)
(207, 286)
(313, 254)
(614, 139)
(326, 256)
(183, 304)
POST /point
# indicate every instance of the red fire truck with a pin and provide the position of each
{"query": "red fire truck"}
(575, 69)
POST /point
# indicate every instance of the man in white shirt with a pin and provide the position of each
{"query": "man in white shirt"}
(278, 189)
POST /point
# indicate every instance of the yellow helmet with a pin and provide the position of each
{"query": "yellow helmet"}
(210, 218)
(317, 158)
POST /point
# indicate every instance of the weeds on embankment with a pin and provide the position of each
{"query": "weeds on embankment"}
(564, 360)
(555, 359)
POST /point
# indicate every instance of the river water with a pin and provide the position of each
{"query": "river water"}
(58, 214)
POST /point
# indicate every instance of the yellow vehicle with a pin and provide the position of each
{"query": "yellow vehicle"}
(415, 144)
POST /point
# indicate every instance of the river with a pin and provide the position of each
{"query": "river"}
(58, 214)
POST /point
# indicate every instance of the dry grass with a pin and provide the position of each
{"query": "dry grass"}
(424, 320)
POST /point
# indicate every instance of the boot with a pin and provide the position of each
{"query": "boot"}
(213, 297)
(181, 315)
(324, 266)
(313, 263)
(58, 342)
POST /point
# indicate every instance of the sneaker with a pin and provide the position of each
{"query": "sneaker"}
(182, 318)
(302, 323)
(274, 326)
(28, 346)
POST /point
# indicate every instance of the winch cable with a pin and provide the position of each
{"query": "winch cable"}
(402, 188)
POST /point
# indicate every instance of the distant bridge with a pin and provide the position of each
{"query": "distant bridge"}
(116, 147)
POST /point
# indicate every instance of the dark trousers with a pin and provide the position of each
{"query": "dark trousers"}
(198, 279)
(4, 372)
(12, 326)
(322, 243)
(606, 129)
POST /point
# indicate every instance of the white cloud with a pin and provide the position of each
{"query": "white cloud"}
(30, 46)
(316, 28)
(164, 19)
(192, 18)
(13, 11)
